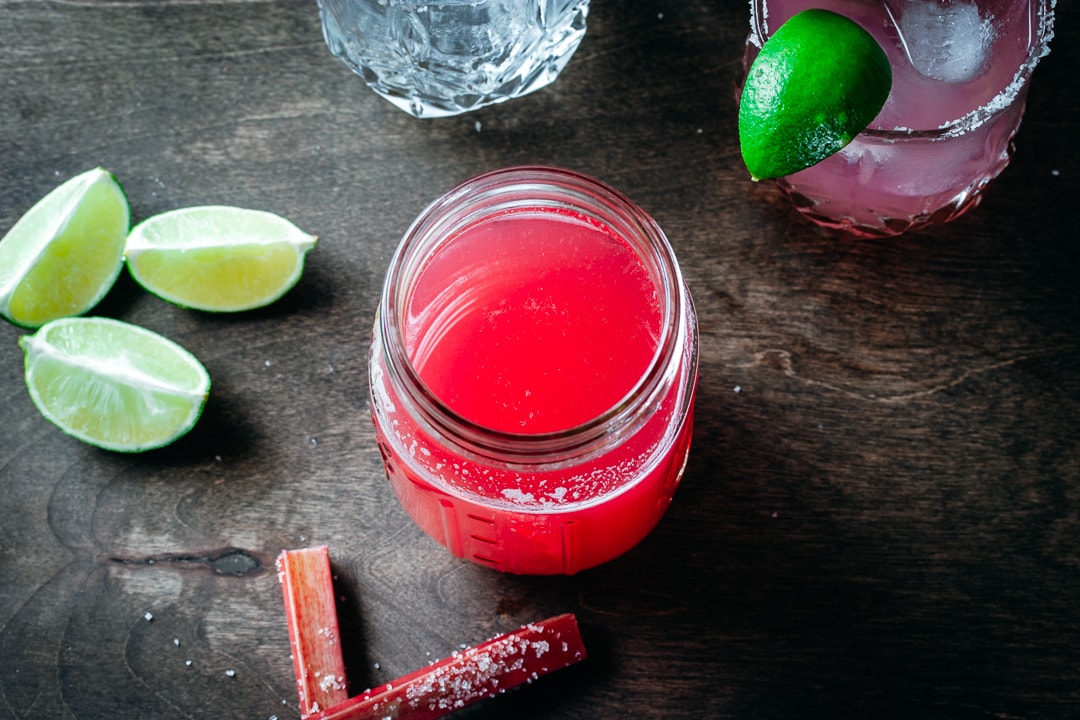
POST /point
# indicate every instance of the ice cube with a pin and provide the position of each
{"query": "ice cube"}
(948, 42)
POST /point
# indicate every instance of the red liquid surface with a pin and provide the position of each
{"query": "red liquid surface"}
(526, 325)
(532, 322)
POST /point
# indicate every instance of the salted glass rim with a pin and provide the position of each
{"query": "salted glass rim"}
(1038, 48)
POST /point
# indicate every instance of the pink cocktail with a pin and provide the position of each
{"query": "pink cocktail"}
(960, 78)
(532, 372)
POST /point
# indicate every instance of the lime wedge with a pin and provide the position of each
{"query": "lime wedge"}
(114, 385)
(818, 81)
(217, 258)
(64, 254)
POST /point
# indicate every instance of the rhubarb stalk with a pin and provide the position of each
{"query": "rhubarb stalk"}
(479, 672)
(311, 612)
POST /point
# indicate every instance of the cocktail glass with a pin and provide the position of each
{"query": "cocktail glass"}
(961, 72)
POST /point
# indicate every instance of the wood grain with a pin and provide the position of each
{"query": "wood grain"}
(881, 514)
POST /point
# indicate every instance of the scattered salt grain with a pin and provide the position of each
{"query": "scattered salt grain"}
(230, 672)
(148, 616)
(516, 495)
(176, 642)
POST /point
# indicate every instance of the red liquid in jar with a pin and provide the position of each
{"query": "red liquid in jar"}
(526, 325)
(529, 322)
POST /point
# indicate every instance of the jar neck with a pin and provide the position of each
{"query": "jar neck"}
(534, 190)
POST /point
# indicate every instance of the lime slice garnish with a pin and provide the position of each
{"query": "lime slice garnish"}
(114, 385)
(64, 254)
(818, 81)
(217, 258)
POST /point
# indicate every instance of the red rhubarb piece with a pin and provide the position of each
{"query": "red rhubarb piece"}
(471, 675)
(311, 612)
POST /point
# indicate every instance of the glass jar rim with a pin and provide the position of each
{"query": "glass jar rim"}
(544, 187)
(973, 119)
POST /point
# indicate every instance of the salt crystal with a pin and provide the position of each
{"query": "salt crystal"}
(517, 495)
(230, 672)
(148, 616)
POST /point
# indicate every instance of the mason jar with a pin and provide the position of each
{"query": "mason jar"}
(532, 371)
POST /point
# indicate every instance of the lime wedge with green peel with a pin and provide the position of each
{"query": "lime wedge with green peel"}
(64, 254)
(217, 258)
(818, 81)
(114, 385)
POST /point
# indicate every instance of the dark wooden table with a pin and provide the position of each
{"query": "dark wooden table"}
(881, 514)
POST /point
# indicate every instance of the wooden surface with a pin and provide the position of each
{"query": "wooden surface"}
(881, 514)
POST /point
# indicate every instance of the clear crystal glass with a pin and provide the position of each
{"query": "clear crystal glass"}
(434, 59)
